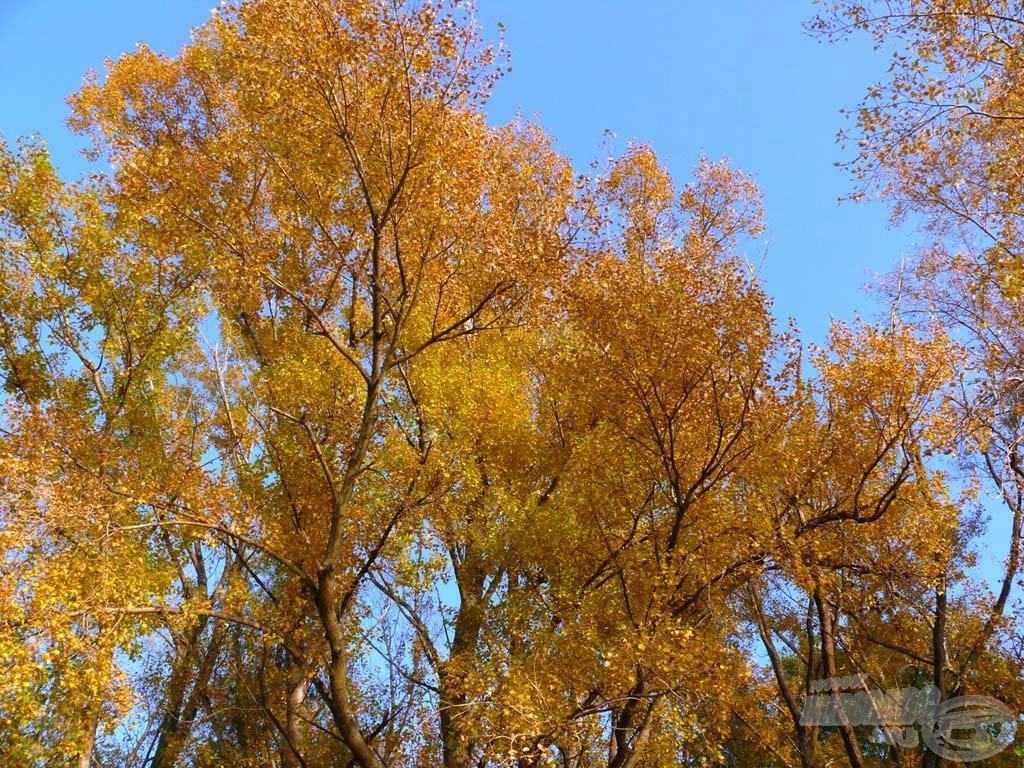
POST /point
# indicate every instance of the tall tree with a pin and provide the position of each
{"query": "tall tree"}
(939, 139)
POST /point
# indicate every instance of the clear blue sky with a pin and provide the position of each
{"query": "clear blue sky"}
(734, 78)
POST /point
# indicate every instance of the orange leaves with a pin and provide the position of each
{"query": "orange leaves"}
(885, 377)
(415, 447)
(724, 206)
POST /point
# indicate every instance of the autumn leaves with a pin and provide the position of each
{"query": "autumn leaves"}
(346, 429)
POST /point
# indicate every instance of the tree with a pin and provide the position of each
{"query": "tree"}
(343, 428)
(939, 139)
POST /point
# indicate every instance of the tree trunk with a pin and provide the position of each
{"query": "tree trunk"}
(457, 749)
(828, 656)
(939, 663)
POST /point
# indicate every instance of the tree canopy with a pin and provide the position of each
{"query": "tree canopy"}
(344, 428)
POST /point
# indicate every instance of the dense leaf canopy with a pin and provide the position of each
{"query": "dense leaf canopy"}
(344, 428)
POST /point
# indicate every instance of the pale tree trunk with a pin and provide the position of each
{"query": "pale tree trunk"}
(295, 717)
(89, 740)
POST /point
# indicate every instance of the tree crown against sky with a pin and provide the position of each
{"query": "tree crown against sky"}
(344, 428)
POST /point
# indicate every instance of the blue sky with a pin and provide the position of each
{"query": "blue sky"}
(734, 78)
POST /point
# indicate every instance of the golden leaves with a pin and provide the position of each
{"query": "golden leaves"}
(380, 416)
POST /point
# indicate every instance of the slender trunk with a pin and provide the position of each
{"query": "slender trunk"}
(89, 739)
(804, 733)
(295, 715)
(625, 752)
(94, 707)
(828, 657)
(175, 723)
(340, 703)
(457, 749)
(939, 663)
